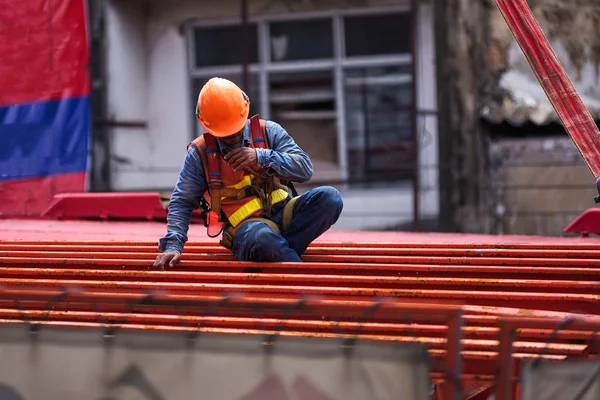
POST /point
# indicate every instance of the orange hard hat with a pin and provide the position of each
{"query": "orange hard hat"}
(222, 107)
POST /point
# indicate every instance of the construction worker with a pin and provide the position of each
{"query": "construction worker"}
(245, 168)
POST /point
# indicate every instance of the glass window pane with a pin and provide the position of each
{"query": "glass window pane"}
(301, 40)
(378, 120)
(371, 35)
(253, 93)
(304, 104)
(223, 45)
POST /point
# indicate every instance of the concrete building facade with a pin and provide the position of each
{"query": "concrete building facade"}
(338, 75)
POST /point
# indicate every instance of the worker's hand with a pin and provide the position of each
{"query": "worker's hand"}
(242, 158)
(168, 257)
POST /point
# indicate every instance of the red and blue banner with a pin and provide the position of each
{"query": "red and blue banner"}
(44, 102)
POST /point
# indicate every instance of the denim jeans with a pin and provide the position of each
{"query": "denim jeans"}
(314, 213)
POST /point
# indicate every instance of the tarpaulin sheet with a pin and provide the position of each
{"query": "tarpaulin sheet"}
(77, 364)
(552, 77)
(576, 379)
(44, 102)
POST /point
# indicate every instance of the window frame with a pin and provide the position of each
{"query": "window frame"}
(337, 64)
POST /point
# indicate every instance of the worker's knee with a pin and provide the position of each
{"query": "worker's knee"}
(329, 200)
(258, 243)
(264, 241)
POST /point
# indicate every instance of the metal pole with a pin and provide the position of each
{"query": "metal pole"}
(245, 50)
(366, 142)
(414, 119)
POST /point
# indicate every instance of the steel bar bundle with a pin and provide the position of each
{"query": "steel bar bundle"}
(362, 290)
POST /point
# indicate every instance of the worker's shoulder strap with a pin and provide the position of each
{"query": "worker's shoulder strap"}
(258, 132)
(202, 144)
(207, 148)
(209, 153)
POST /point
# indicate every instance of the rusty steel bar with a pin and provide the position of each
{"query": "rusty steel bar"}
(552, 301)
(250, 287)
(198, 260)
(532, 243)
(234, 319)
(414, 311)
(490, 278)
(423, 270)
(346, 281)
(584, 259)
(476, 315)
(389, 327)
(72, 250)
(455, 344)
(316, 306)
(457, 260)
(471, 272)
(347, 306)
(504, 374)
(469, 377)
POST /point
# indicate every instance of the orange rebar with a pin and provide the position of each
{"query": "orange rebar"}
(484, 316)
(532, 243)
(551, 301)
(311, 288)
(339, 281)
(119, 249)
(422, 270)
(359, 282)
(196, 260)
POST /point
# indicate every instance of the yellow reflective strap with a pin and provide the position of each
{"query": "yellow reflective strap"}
(288, 213)
(244, 182)
(255, 205)
(279, 195)
(231, 191)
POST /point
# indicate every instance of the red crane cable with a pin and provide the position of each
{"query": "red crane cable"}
(556, 84)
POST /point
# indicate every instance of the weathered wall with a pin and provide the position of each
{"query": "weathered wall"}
(127, 95)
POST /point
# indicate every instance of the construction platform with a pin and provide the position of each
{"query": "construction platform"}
(496, 301)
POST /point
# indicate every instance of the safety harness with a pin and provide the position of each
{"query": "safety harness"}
(246, 199)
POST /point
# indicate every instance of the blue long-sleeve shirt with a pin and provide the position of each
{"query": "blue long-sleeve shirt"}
(284, 159)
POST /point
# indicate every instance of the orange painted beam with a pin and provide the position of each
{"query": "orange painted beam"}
(373, 269)
(37, 249)
(195, 259)
(255, 282)
(533, 243)
(550, 301)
